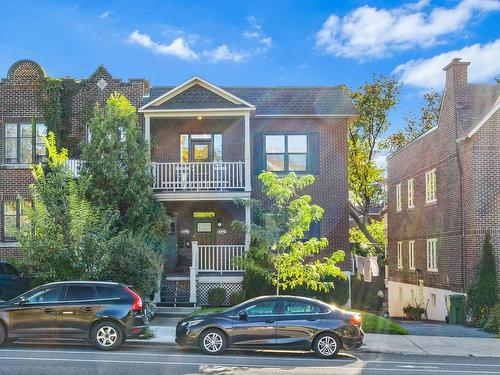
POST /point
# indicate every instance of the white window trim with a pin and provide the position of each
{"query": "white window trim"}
(430, 186)
(411, 195)
(398, 197)
(400, 254)
(432, 254)
(411, 255)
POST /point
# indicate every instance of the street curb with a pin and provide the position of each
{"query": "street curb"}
(137, 342)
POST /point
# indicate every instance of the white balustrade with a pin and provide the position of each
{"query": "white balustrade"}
(219, 258)
(199, 176)
(74, 166)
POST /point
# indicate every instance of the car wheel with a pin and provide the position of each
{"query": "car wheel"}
(213, 341)
(107, 335)
(326, 345)
(3, 334)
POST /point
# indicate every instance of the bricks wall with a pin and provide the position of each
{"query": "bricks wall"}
(330, 187)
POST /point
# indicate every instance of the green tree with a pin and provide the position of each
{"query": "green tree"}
(364, 246)
(278, 250)
(416, 125)
(116, 168)
(64, 238)
(485, 293)
(373, 101)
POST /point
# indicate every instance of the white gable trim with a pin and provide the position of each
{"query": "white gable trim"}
(190, 83)
(485, 118)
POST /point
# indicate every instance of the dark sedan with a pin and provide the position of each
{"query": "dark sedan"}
(274, 322)
(101, 312)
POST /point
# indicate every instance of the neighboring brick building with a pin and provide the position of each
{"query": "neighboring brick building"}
(208, 144)
(443, 196)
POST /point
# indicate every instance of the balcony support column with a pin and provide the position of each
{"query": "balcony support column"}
(193, 270)
(248, 223)
(248, 166)
(147, 133)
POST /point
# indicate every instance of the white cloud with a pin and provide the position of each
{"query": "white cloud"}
(105, 14)
(267, 41)
(369, 32)
(223, 53)
(428, 73)
(251, 34)
(179, 47)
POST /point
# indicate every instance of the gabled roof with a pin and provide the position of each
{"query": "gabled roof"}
(483, 100)
(268, 101)
(195, 93)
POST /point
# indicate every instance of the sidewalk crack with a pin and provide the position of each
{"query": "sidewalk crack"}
(418, 346)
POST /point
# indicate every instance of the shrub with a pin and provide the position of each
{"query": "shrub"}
(217, 296)
(237, 297)
(492, 323)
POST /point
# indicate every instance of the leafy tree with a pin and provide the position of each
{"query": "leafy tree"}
(64, 238)
(485, 288)
(373, 101)
(278, 251)
(116, 168)
(416, 125)
(366, 248)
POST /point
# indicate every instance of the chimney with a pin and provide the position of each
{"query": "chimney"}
(456, 79)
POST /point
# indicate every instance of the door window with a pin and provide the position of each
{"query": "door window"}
(201, 151)
(204, 227)
(263, 308)
(44, 295)
(80, 293)
(9, 270)
(105, 292)
(299, 307)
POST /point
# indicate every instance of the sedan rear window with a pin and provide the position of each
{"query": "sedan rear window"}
(80, 293)
(104, 292)
(299, 307)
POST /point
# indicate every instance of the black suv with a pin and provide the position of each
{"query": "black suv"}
(102, 312)
(11, 282)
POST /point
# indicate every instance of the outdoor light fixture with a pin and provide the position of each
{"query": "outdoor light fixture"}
(199, 117)
(219, 223)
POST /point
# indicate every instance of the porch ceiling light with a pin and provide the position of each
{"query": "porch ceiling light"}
(199, 117)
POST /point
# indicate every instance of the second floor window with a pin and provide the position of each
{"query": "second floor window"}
(286, 152)
(400, 255)
(411, 255)
(200, 147)
(24, 143)
(432, 254)
(398, 197)
(430, 186)
(14, 216)
(410, 193)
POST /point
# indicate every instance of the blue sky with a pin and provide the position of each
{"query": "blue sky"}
(257, 42)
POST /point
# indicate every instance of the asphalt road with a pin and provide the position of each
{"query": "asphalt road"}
(76, 358)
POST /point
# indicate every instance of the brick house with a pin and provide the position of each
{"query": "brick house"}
(443, 197)
(208, 144)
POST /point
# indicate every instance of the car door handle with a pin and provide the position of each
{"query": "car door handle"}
(49, 311)
(269, 321)
(311, 319)
(88, 309)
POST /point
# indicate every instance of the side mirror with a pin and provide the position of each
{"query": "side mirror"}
(243, 315)
(22, 301)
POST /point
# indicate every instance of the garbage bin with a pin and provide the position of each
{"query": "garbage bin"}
(457, 309)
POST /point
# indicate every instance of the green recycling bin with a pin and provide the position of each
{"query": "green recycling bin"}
(457, 309)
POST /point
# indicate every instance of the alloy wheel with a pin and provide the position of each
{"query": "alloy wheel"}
(106, 336)
(327, 346)
(213, 342)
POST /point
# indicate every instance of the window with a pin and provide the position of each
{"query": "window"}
(205, 145)
(286, 152)
(410, 193)
(80, 293)
(432, 254)
(106, 292)
(8, 269)
(411, 255)
(299, 307)
(400, 255)
(14, 216)
(430, 186)
(23, 142)
(204, 227)
(44, 295)
(262, 308)
(398, 197)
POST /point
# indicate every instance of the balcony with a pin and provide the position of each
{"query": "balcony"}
(217, 258)
(199, 176)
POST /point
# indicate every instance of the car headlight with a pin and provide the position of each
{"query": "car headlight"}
(191, 323)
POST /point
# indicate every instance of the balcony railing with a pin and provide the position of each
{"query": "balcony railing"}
(74, 166)
(191, 176)
(217, 258)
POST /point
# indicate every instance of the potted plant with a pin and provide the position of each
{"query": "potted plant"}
(408, 311)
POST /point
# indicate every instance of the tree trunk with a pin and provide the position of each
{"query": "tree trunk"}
(362, 227)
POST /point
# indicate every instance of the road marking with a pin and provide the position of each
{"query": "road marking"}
(341, 369)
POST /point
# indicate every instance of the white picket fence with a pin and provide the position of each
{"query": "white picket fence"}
(218, 258)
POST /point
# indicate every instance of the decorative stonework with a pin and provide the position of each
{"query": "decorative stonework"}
(25, 70)
(102, 84)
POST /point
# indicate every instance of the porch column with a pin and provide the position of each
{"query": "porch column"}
(248, 223)
(193, 270)
(147, 132)
(248, 147)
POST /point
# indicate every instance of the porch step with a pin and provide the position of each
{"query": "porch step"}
(174, 311)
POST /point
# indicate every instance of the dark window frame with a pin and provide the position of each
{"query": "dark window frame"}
(285, 153)
(212, 145)
(6, 238)
(34, 143)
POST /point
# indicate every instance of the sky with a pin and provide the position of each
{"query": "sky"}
(272, 43)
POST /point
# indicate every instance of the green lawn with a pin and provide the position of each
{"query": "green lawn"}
(371, 323)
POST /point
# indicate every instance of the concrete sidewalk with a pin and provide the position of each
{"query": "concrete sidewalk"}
(387, 344)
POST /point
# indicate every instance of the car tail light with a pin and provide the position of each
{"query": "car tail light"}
(137, 305)
(355, 319)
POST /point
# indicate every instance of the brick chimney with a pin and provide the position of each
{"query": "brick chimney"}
(456, 80)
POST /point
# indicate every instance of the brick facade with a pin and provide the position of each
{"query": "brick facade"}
(468, 193)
